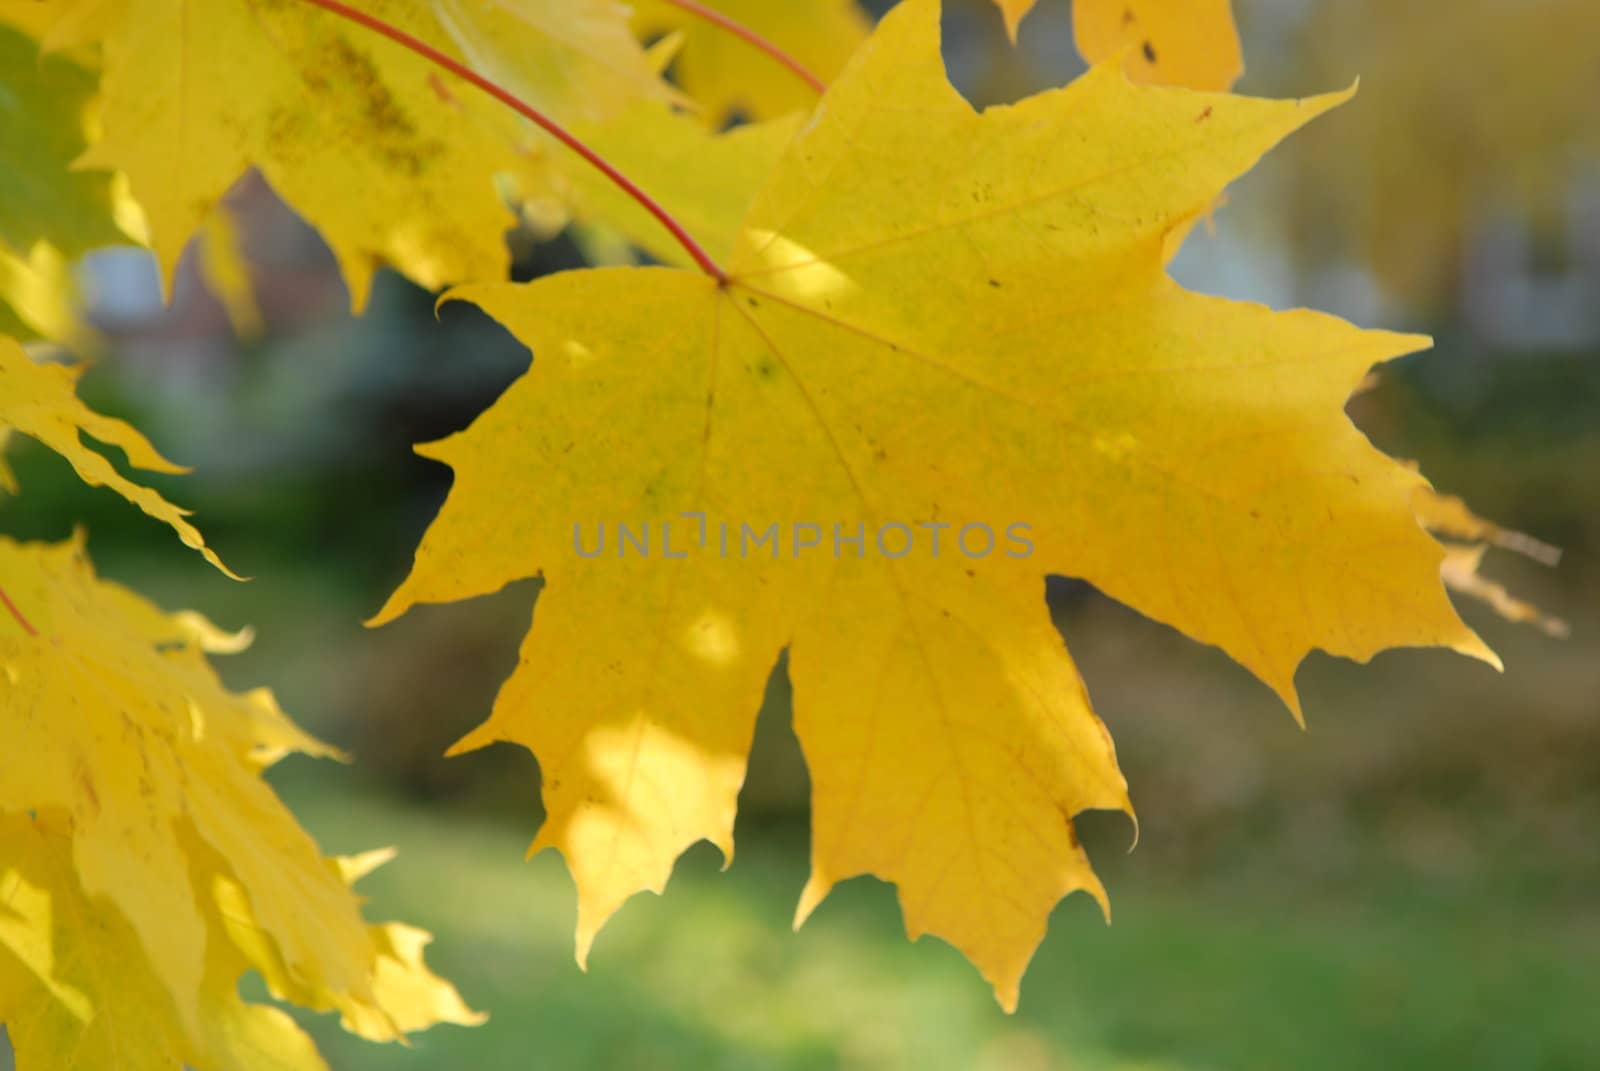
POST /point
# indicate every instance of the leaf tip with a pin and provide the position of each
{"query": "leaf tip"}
(1326, 102)
(1006, 997)
(482, 737)
(584, 937)
(357, 270)
(1096, 889)
(352, 868)
(816, 891)
(396, 606)
(456, 293)
(1291, 699)
(1012, 12)
(1472, 646)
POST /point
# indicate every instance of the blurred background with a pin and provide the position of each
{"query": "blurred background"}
(1410, 883)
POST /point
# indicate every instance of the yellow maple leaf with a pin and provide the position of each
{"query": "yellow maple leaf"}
(1460, 572)
(576, 59)
(40, 401)
(1013, 12)
(145, 863)
(937, 323)
(1449, 516)
(390, 162)
(1191, 43)
(226, 271)
(727, 76)
(77, 990)
(39, 298)
(406, 995)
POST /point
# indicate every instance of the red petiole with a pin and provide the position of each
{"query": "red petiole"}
(16, 613)
(744, 33)
(555, 130)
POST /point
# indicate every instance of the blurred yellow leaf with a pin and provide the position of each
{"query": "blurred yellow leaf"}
(226, 270)
(145, 862)
(1460, 572)
(1448, 515)
(1012, 11)
(39, 298)
(387, 158)
(934, 321)
(1191, 43)
(577, 59)
(40, 401)
(728, 76)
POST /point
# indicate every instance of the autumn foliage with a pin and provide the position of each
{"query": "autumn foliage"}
(877, 319)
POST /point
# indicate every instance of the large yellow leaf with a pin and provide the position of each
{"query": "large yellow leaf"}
(144, 862)
(40, 400)
(390, 160)
(729, 76)
(936, 324)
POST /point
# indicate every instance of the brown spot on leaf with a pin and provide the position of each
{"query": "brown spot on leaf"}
(381, 123)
